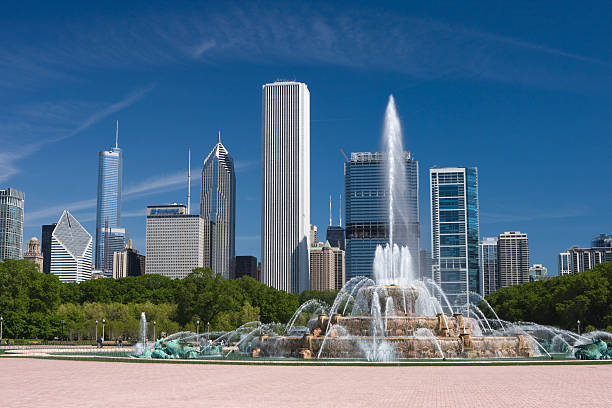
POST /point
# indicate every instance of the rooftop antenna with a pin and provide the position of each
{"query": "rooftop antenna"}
(340, 209)
(189, 183)
(117, 135)
(219, 136)
(330, 220)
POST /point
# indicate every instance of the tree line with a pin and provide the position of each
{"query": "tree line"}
(560, 302)
(33, 305)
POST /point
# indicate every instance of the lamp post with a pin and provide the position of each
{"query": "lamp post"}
(62, 323)
(1, 321)
(96, 329)
(198, 328)
(578, 327)
(103, 324)
(208, 330)
(154, 324)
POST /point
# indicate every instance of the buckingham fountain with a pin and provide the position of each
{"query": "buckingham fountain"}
(392, 316)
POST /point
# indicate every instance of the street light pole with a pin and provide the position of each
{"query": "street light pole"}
(578, 327)
(62, 323)
(96, 329)
(103, 324)
(154, 324)
(208, 330)
(1, 321)
(198, 328)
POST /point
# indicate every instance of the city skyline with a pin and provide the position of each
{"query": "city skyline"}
(529, 102)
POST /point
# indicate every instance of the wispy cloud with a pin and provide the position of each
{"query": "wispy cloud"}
(150, 186)
(51, 211)
(422, 48)
(26, 129)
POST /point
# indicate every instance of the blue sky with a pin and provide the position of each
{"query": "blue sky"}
(523, 93)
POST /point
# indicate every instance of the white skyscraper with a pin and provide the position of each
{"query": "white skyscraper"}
(176, 241)
(71, 247)
(286, 186)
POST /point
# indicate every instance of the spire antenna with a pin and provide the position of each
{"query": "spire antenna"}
(340, 209)
(189, 183)
(330, 220)
(219, 136)
(117, 135)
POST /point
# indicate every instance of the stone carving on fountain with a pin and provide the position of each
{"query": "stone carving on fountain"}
(355, 336)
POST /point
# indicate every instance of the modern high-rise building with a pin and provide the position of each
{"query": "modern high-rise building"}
(335, 236)
(71, 250)
(489, 269)
(564, 260)
(218, 208)
(335, 233)
(128, 262)
(327, 270)
(33, 253)
(245, 266)
(312, 235)
(513, 258)
(537, 272)
(367, 211)
(285, 219)
(11, 223)
(46, 238)
(584, 259)
(602, 241)
(108, 212)
(425, 264)
(175, 241)
(454, 232)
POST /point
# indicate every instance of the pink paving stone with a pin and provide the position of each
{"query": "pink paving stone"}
(56, 383)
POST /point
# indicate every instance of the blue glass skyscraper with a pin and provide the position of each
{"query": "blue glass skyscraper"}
(109, 235)
(367, 211)
(218, 208)
(454, 232)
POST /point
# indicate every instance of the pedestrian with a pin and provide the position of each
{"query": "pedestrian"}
(99, 342)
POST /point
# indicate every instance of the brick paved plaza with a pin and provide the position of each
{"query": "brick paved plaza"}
(57, 383)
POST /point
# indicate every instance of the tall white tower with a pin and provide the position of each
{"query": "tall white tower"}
(285, 218)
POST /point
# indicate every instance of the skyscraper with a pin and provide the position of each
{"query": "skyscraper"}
(513, 258)
(46, 238)
(326, 267)
(565, 262)
(11, 223)
(335, 233)
(285, 217)
(71, 250)
(537, 272)
(489, 269)
(367, 211)
(601, 241)
(108, 213)
(33, 253)
(583, 259)
(128, 262)
(454, 232)
(176, 241)
(245, 266)
(218, 208)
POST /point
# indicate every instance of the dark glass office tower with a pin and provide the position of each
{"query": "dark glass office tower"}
(335, 237)
(367, 211)
(47, 231)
